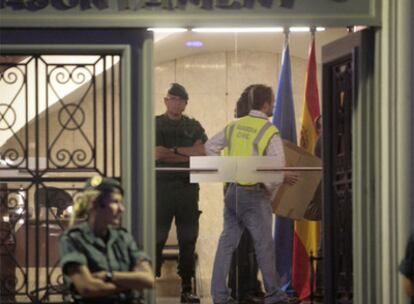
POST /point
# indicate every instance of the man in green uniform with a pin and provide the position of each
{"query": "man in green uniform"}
(177, 138)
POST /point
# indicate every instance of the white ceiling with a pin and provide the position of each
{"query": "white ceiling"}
(172, 46)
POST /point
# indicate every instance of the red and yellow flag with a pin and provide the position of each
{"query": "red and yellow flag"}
(306, 236)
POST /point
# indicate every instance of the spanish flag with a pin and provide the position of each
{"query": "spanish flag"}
(306, 235)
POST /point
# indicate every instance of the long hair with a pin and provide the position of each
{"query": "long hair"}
(244, 103)
(253, 97)
(83, 203)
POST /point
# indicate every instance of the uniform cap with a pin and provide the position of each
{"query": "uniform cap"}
(177, 89)
(104, 184)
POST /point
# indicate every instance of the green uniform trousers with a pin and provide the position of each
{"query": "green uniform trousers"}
(178, 199)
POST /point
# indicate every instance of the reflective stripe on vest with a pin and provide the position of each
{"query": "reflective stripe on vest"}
(249, 136)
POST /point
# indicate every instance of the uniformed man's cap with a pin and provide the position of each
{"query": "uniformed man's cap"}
(104, 184)
(177, 89)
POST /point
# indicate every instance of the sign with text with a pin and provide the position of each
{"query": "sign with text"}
(135, 5)
(189, 13)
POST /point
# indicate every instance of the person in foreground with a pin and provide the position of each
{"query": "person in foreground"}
(100, 260)
(247, 205)
(407, 269)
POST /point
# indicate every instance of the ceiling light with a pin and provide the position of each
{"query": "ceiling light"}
(194, 44)
(304, 29)
(238, 30)
(299, 29)
(167, 29)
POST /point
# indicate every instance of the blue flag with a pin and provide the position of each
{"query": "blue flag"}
(284, 119)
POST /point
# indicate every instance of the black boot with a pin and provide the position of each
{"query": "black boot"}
(187, 295)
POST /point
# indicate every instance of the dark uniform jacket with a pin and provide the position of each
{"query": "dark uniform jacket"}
(177, 133)
(79, 245)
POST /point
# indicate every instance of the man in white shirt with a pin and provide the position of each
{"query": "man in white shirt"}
(247, 205)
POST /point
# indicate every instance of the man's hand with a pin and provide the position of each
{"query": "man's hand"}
(408, 286)
(290, 178)
(90, 285)
(161, 152)
(197, 149)
(198, 143)
(99, 275)
(169, 156)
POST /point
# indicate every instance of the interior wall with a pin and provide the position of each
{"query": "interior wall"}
(214, 82)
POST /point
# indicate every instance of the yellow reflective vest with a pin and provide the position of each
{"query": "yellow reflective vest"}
(249, 136)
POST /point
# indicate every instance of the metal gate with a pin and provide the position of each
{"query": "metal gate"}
(60, 123)
(340, 201)
(343, 61)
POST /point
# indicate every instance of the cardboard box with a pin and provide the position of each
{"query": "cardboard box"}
(292, 200)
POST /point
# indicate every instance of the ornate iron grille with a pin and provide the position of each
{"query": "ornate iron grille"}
(60, 123)
(340, 153)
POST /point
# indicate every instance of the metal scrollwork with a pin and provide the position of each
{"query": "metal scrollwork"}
(53, 120)
(71, 117)
(62, 74)
(11, 158)
(7, 117)
(78, 75)
(78, 158)
(64, 157)
(12, 84)
(13, 200)
(341, 200)
(10, 75)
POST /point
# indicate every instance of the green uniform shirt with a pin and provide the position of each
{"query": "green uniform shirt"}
(177, 133)
(79, 245)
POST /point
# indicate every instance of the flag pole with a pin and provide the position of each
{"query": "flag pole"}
(306, 236)
(284, 120)
(286, 31)
(313, 32)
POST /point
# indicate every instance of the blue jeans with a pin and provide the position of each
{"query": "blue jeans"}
(246, 207)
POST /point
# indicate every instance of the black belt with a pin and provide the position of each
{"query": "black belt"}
(258, 185)
(251, 186)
